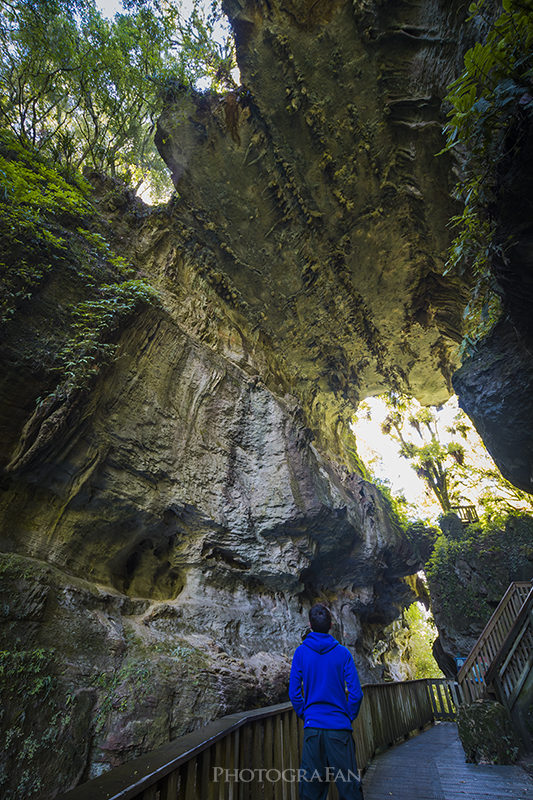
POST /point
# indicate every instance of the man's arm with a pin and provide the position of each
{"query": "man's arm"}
(355, 693)
(295, 686)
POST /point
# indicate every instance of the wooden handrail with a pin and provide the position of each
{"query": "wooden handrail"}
(509, 670)
(471, 674)
(130, 779)
(270, 738)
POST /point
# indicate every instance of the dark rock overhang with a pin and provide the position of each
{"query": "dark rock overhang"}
(316, 196)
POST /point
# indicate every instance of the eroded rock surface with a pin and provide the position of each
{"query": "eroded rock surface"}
(494, 387)
(317, 196)
(116, 677)
(169, 534)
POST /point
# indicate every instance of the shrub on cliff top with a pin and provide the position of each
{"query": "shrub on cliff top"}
(35, 203)
(468, 576)
(49, 225)
(86, 90)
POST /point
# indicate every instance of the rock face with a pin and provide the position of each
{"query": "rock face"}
(166, 531)
(112, 676)
(317, 197)
(471, 569)
(487, 733)
(494, 387)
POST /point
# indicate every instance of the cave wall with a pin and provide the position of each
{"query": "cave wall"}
(165, 531)
(171, 526)
(494, 384)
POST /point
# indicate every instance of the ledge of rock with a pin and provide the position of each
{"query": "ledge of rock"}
(316, 198)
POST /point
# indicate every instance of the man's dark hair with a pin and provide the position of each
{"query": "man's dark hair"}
(320, 618)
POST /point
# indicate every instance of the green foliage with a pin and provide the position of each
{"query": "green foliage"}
(469, 575)
(422, 538)
(122, 690)
(203, 59)
(394, 503)
(35, 201)
(26, 674)
(452, 462)
(492, 98)
(27, 682)
(183, 653)
(86, 90)
(417, 433)
(422, 634)
(94, 324)
(39, 210)
(487, 733)
(451, 526)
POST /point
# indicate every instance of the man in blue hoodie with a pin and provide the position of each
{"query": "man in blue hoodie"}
(325, 692)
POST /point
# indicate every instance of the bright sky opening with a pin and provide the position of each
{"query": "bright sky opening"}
(111, 7)
(381, 455)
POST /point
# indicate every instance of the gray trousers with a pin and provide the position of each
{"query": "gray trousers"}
(327, 756)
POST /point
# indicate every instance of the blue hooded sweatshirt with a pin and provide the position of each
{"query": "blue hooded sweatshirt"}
(324, 687)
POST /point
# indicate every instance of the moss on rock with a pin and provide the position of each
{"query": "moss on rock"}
(37, 713)
(487, 733)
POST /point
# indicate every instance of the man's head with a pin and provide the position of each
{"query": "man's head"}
(319, 618)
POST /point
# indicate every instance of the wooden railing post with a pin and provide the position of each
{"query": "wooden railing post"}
(265, 739)
(219, 787)
(472, 674)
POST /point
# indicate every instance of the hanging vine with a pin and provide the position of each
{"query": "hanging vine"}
(492, 98)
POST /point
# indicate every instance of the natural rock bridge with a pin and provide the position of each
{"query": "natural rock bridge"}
(165, 529)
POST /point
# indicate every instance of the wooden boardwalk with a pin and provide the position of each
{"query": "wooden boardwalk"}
(432, 766)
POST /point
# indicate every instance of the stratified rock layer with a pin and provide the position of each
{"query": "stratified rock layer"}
(168, 530)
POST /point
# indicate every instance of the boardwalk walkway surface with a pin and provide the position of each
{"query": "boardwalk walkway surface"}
(431, 766)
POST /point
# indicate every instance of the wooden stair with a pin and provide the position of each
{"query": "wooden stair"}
(502, 657)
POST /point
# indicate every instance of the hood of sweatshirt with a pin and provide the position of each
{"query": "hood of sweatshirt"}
(320, 642)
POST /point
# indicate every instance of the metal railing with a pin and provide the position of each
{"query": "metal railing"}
(471, 676)
(243, 756)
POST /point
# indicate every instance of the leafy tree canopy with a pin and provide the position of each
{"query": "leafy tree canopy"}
(48, 227)
(422, 634)
(450, 459)
(87, 91)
